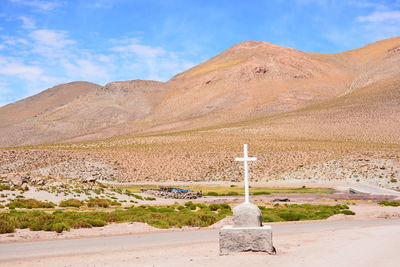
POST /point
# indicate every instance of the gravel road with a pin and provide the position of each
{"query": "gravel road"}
(201, 247)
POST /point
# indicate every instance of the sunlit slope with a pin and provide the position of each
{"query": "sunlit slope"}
(34, 106)
(113, 104)
(350, 95)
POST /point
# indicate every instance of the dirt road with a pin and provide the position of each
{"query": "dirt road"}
(343, 243)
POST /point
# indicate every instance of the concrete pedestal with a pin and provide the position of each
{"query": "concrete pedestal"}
(237, 239)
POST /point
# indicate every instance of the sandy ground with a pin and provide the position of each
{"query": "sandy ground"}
(342, 245)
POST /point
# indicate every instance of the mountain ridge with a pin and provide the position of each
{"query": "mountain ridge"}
(249, 80)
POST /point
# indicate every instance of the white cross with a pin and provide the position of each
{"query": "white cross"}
(245, 160)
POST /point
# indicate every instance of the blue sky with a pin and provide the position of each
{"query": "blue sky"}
(47, 42)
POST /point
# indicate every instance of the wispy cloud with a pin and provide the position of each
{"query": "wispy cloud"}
(20, 70)
(381, 16)
(84, 68)
(27, 23)
(36, 75)
(140, 50)
(52, 38)
(38, 4)
(366, 4)
(102, 4)
(157, 62)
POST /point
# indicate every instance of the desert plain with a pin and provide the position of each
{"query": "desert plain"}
(325, 129)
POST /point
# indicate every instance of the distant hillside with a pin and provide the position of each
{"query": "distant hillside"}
(350, 95)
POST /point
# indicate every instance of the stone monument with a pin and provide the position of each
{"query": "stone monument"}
(247, 232)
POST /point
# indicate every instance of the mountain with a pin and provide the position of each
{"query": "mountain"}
(349, 95)
(34, 106)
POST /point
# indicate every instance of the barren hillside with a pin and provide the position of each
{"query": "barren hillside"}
(248, 81)
(34, 106)
(306, 116)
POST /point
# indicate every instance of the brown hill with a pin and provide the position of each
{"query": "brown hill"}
(350, 95)
(102, 107)
(45, 101)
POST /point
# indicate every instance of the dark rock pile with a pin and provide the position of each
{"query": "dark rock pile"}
(167, 192)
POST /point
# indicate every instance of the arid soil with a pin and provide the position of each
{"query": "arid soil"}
(208, 157)
(366, 245)
(306, 116)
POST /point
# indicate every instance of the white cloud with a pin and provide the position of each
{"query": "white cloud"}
(381, 16)
(366, 4)
(138, 49)
(102, 4)
(154, 62)
(16, 68)
(52, 38)
(12, 40)
(27, 23)
(20, 70)
(86, 69)
(38, 4)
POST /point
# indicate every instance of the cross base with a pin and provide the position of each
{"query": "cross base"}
(239, 239)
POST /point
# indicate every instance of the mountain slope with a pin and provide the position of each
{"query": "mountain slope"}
(350, 95)
(103, 107)
(49, 99)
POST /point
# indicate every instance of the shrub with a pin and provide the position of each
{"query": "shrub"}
(165, 210)
(188, 203)
(232, 185)
(6, 227)
(389, 203)
(225, 206)
(150, 198)
(30, 204)
(201, 206)
(214, 207)
(393, 180)
(137, 196)
(60, 227)
(4, 187)
(102, 203)
(81, 223)
(72, 202)
(348, 212)
(2, 206)
(297, 212)
(96, 222)
(16, 204)
(211, 193)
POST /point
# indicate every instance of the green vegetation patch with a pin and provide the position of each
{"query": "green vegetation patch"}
(301, 212)
(157, 216)
(389, 203)
(189, 214)
(30, 204)
(102, 203)
(72, 202)
(5, 187)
